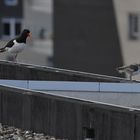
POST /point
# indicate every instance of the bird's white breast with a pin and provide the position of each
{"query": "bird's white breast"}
(17, 47)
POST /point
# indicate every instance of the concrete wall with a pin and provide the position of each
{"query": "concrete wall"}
(129, 47)
(17, 71)
(67, 118)
(37, 16)
(10, 12)
(59, 116)
(86, 36)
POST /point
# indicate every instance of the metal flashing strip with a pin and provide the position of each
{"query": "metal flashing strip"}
(15, 83)
(73, 86)
(52, 85)
(64, 86)
(120, 87)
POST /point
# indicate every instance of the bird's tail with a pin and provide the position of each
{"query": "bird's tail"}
(2, 46)
(120, 69)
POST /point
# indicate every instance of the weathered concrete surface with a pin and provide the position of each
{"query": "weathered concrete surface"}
(9, 70)
(63, 117)
(66, 117)
(86, 36)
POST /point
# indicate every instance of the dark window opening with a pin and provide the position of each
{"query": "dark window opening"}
(89, 133)
(17, 28)
(6, 29)
(134, 27)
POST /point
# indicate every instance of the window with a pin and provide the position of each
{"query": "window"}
(6, 29)
(17, 28)
(134, 26)
(89, 133)
(11, 2)
(11, 27)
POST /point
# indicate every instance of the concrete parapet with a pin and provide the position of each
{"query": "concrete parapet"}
(59, 116)
(67, 118)
(20, 71)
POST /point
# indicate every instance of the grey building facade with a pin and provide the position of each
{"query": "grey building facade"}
(11, 14)
(86, 37)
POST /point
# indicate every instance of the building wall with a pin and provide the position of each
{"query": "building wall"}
(66, 118)
(130, 47)
(15, 12)
(38, 16)
(86, 36)
(11, 11)
(60, 116)
(111, 90)
(33, 15)
(10, 70)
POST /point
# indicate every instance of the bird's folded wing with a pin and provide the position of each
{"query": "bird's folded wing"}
(10, 44)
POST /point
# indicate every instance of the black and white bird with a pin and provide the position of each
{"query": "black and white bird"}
(17, 45)
(131, 70)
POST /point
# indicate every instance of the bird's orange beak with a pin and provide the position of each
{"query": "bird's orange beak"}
(29, 34)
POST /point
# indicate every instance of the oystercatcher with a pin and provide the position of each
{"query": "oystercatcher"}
(131, 70)
(15, 46)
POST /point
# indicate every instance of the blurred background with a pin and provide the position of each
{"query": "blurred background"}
(92, 36)
(35, 15)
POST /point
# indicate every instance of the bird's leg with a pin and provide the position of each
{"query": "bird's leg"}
(15, 59)
(130, 77)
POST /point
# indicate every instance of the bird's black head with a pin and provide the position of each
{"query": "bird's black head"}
(23, 36)
(25, 33)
